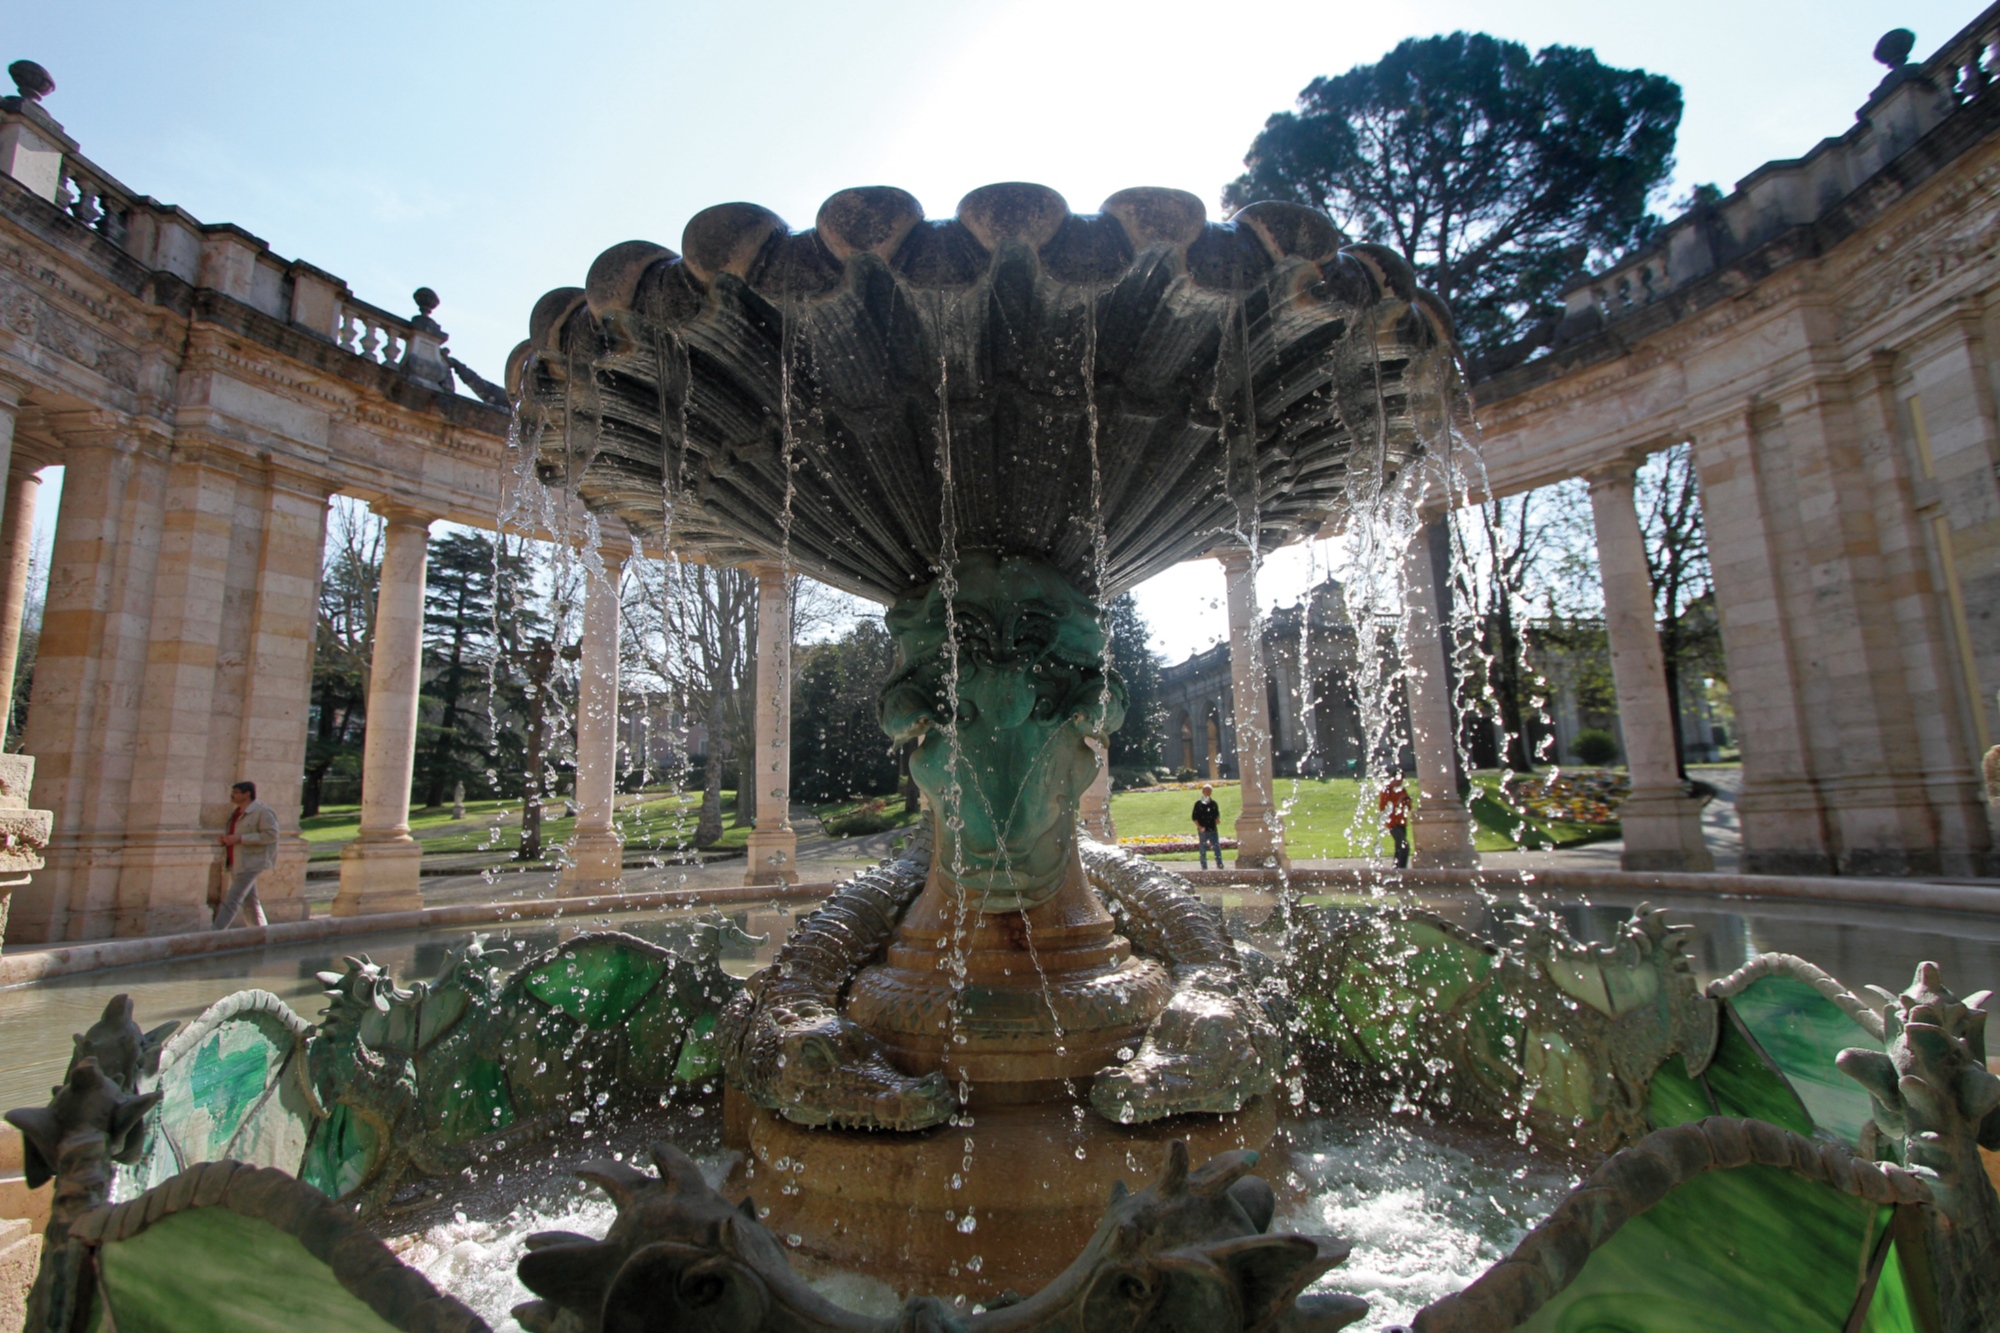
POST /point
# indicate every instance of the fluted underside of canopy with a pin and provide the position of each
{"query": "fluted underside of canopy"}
(859, 398)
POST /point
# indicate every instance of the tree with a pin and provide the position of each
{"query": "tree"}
(1498, 174)
(1668, 495)
(838, 748)
(1517, 550)
(343, 642)
(459, 620)
(525, 679)
(1137, 743)
(693, 628)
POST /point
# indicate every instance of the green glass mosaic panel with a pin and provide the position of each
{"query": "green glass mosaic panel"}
(1408, 970)
(701, 1053)
(1744, 1083)
(340, 1154)
(1892, 1311)
(1673, 1098)
(597, 983)
(1753, 1250)
(470, 1102)
(220, 1272)
(1802, 1031)
(653, 1036)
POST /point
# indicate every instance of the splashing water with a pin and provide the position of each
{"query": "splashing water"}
(1425, 1215)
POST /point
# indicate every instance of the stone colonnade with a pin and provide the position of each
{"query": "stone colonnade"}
(174, 657)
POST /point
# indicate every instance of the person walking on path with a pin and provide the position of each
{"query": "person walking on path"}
(1207, 819)
(249, 848)
(1394, 804)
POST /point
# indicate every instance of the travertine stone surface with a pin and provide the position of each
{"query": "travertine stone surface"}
(774, 847)
(1441, 826)
(1661, 823)
(597, 851)
(378, 870)
(1260, 837)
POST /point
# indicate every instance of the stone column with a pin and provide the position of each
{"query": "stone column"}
(1260, 838)
(379, 869)
(17, 552)
(1662, 822)
(276, 690)
(597, 852)
(774, 848)
(1441, 826)
(1095, 813)
(90, 668)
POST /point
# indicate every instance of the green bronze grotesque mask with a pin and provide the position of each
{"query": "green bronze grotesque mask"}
(1032, 690)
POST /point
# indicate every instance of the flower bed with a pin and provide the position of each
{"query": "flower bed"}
(1191, 786)
(1591, 796)
(1157, 844)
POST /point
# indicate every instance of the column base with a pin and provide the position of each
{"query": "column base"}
(1663, 831)
(596, 864)
(1441, 838)
(1260, 843)
(378, 877)
(774, 857)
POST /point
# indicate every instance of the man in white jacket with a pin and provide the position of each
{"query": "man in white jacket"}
(249, 848)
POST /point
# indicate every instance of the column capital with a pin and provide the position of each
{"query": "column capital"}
(766, 572)
(1233, 559)
(1617, 472)
(399, 515)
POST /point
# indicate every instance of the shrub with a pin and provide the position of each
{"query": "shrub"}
(1124, 779)
(1185, 775)
(1596, 747)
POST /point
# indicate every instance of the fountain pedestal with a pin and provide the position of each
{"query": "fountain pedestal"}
(975, 1209)
(1050, 995)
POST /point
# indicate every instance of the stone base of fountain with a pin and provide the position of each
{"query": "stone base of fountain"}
(1001, 1204)
(1050, 996)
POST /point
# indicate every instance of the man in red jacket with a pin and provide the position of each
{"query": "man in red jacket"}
(1394, 804)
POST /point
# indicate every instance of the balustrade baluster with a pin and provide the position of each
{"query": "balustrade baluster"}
(347, 330)
(371, 340)
(392, 347)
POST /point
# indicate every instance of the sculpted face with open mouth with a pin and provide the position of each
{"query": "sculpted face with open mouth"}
(1008, 771)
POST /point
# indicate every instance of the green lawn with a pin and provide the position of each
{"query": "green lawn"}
(1319, 819)
(662, 820)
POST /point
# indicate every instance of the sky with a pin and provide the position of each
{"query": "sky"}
(492, 150)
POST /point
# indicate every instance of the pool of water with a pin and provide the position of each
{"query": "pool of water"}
(1426, 1207)
(1859, 945)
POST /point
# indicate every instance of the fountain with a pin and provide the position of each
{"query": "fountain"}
(992, 424)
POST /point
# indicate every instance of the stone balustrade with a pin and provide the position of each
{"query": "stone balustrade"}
(1911, 102)
(94, 198)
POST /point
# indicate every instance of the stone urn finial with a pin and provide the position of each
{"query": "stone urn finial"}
(427, 301)
(34, 82)
(1894, 48)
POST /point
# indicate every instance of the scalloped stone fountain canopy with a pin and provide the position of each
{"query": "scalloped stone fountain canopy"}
(1232, 382)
